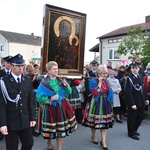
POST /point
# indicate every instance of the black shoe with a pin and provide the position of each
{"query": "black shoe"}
(134, 137)
(120, 121)
(104, 148)
(137, 133)
(95, 142)
(36, 134)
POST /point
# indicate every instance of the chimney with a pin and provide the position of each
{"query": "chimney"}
(32, 34)
(39, 38)
(147, 19)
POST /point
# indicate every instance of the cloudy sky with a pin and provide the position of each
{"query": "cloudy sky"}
(103, 16)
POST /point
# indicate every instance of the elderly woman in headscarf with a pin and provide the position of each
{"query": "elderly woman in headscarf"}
(116, 87)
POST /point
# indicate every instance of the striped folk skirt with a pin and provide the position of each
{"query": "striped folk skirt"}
(57, 121)
(98, 114)
(75, 99)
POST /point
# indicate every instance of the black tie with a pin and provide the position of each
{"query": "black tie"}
(7, 72)
(18, 79)
(138, 77)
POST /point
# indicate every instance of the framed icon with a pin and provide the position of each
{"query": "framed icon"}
(63, 39)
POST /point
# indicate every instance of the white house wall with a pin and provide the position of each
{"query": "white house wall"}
(28, 51)
(105, 53)
(4, 43)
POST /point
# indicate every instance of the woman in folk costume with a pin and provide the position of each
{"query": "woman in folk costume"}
(81, 90)
(75, 100)
(58, 119)
(98, 113)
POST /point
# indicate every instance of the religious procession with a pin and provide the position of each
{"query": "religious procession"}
(52, 106)
(52, 98)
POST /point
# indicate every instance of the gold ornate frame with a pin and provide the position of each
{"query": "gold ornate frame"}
(63, 40)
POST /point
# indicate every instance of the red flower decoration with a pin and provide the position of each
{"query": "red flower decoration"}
(77, 82)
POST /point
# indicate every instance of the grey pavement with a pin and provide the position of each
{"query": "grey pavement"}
(117, 138)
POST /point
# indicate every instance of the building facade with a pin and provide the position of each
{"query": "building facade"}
(13, 43)
(109, 43)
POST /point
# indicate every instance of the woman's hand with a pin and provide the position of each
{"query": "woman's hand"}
(100, 79)
(35, 77)
(61, 77)
(117, 91)
(55, 97)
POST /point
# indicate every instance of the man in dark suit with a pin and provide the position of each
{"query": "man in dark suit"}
(17, 107)
(91, 73)
(137, 99)
(109, 65)
(3, 72)
(7, 66)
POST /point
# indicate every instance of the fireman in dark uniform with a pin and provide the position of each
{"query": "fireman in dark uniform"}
(91, 73)
(137, 99)
(7, 66)
(3, 72)
(17, 107)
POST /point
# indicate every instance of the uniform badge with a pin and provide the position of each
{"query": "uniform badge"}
(11, 79)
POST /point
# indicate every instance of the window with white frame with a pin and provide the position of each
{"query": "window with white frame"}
(114, 40)
(2, 48)
(112, 53)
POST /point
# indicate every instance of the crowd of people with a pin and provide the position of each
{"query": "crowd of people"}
(52, 106)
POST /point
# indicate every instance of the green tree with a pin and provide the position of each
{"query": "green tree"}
(137, 44)
(146, 50)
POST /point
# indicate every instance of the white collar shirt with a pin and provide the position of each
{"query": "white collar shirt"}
(136, 75)
(15, 77)
(7, 71)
